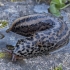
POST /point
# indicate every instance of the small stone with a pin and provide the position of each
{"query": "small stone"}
(1, 36)
(1, 4)
(43, 8)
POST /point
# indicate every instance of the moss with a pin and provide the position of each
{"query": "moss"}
(3, 23)
(2, 55)
(58, 68)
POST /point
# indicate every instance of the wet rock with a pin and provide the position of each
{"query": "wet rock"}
(42, 8)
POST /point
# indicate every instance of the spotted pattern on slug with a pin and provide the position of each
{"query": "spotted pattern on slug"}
(42, 35)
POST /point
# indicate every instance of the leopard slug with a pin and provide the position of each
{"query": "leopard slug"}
(43, 34)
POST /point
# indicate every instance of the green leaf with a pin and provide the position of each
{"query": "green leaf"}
(65, 6)
(58, 3)
(54, 10)
(56, 6)
(64, 1)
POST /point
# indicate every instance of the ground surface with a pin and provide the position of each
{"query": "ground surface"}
(10, 11)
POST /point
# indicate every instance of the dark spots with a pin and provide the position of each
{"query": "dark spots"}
(48, 46)
(44, 45)
(51, 38)
(28, 43)
(54, 33)
(37, 36)
(39, 46)
(17, 45)
(20, 52)
(24, 29)
(56, 38)
(34, 18)
(43, 38)
(31, 18)
(14, 29)
(52, 44)
(33, 43)
(27, 34)
(38, 49)
(17, 23)
(28, 30)
(20, 21)
(30, 53)
(27, 19)
(47, 41)
(50, 22)
(32, 48)
(29, 38)
(28, 46)
(23, 49)
(42, 34)
(21, 41)
(42, 50)
(32, 25)
(25, 54)
(46, 36)
(27, 50)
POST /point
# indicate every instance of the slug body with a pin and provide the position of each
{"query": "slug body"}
(43, 34)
